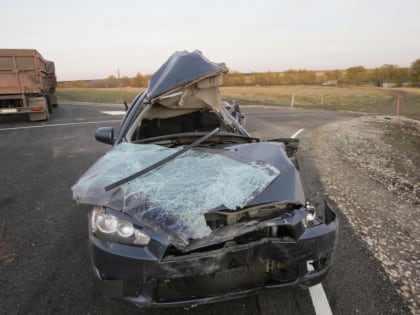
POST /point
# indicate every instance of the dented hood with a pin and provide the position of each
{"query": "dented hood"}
(173, 199)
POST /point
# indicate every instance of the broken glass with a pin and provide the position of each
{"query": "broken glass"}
(173, 198)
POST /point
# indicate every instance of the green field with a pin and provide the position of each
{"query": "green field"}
(110, 96)
(363, 99)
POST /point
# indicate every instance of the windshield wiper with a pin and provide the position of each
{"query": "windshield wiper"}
(161, 162)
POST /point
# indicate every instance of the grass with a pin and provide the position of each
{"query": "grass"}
(111, 96)
(346, 138)
(364, 99)
(311, 96)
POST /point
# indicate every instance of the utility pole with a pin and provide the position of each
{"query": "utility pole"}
(119, 84)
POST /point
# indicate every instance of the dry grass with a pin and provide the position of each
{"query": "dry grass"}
(334, 98)
(303, 90)
(111, 95)
(365, 99)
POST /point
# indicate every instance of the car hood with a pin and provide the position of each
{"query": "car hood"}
(173, 198)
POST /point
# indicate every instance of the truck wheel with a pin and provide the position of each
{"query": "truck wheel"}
(47, 115)
(47, 97)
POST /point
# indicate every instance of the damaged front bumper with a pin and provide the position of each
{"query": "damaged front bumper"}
(152, 276)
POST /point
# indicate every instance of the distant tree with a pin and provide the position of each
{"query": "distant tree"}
(125, 81)
(274, 78)
(415, 72)
(300, 76)
(290, 77)
(234, 79)
(307, 77)
(138, 81)
(390, 73)
(356, 75)
(102, 83)
(332, 74)
(72, 84)
(111, 82)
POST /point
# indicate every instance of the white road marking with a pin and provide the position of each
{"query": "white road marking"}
(297, 133)
(319, 298)
(59, 125)
(114, 112)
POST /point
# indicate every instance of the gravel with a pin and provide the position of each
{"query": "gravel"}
(369, 167)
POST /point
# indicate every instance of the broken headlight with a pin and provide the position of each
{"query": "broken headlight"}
(311, 217)
(111, 228)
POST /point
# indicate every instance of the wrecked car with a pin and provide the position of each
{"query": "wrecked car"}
(189, 208)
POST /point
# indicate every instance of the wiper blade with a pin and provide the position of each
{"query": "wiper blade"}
(161, 162)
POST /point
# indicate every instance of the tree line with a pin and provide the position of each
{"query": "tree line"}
(358, 75)
(110, 82)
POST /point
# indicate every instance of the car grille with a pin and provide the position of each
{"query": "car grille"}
(256, 275)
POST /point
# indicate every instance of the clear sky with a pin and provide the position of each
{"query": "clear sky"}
(91, 39)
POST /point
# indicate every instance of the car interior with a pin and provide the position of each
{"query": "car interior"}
(198, 121)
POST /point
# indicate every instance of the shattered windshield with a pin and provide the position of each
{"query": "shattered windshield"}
(173, 198)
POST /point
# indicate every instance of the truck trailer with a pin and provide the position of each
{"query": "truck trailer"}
(27, 84)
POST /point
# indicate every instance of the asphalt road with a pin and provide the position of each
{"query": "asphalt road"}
(44, 262)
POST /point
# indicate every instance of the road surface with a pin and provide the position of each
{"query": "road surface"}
(44, 261)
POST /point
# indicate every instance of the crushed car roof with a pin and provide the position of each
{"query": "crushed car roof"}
(179, 70)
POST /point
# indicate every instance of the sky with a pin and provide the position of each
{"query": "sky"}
(92, 39)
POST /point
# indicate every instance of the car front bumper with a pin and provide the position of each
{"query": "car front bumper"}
(141, 276)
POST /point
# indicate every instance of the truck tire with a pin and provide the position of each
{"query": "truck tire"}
(47, 115)
(47, 97)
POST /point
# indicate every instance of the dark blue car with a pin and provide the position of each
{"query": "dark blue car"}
(189, 208)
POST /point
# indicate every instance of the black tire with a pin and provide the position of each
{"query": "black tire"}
(47, 116)
(47, 97)
(54, 105)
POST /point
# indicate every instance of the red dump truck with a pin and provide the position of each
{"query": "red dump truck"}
(27, 84)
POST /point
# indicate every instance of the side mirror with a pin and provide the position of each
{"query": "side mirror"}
(105, 135)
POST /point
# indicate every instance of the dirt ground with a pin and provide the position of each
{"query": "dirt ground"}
(370, 167)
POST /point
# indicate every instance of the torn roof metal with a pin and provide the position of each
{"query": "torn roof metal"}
(186, 82)
(181, 69)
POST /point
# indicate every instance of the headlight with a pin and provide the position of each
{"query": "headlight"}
(125, 229)
(311, 216)
(106, 223)
(109, 227)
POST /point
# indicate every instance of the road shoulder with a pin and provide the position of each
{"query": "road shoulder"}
(368, 167)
